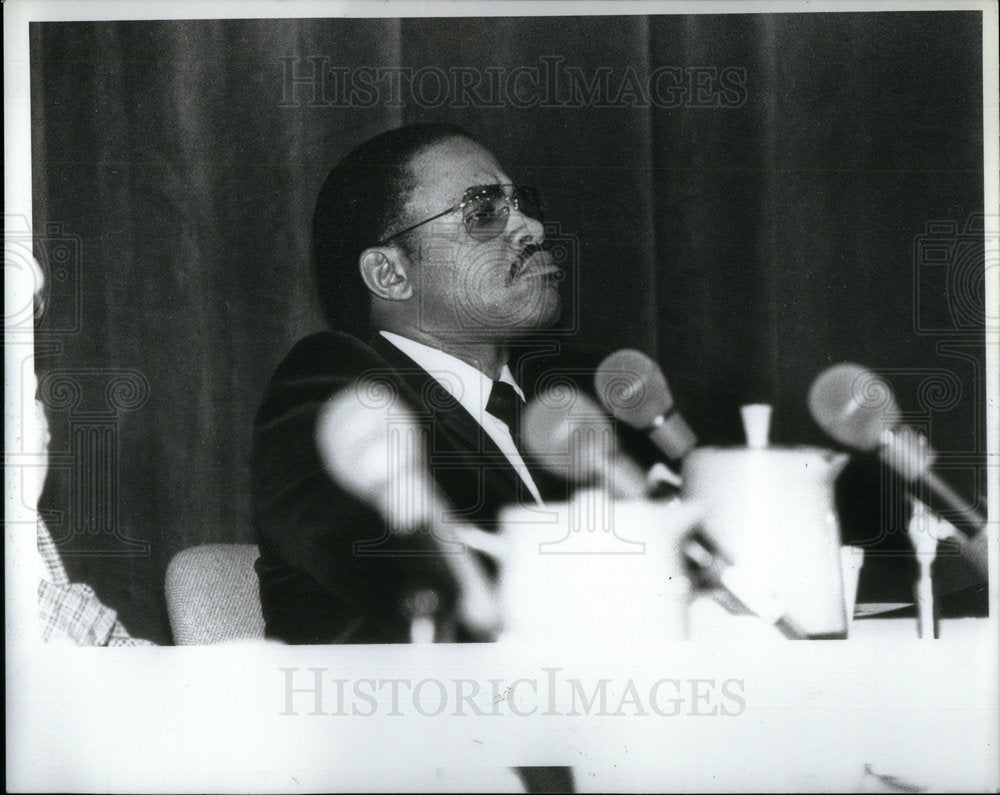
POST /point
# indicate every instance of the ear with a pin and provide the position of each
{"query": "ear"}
(384, 270)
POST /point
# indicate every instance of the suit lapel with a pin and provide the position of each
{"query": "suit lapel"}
(460, 428)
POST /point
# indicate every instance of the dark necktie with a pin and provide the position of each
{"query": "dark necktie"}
(505, 405)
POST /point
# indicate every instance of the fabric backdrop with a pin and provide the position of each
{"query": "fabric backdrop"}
(797, 190)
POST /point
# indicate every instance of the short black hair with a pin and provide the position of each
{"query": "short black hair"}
(361, 198)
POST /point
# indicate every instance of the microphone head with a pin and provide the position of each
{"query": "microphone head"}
(573, 437)
(632, 387)
(567, 432)
(373, 447)
(853, 405)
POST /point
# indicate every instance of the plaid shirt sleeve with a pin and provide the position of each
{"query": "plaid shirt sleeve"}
(71, 612)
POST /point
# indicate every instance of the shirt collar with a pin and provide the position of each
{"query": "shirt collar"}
(469, 386)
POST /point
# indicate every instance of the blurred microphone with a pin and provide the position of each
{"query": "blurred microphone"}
(632, 387)
(857, 408)
(371, 445)
(572, 437)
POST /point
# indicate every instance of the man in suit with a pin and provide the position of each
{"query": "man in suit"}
(424, 248)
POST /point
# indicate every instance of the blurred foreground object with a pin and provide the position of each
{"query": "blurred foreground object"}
(371, 444)
(593, 571)
(571, 436)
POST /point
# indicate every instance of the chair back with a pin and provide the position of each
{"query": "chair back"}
(213, 595)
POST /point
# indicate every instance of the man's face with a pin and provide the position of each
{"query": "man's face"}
(487, 290)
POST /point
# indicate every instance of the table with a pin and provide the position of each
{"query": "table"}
(745, 714)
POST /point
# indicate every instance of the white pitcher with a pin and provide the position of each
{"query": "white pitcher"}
(771, 511)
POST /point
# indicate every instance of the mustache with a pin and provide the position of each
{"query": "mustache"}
(518, 264)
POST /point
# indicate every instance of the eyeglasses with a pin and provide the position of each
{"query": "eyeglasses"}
(486, 209)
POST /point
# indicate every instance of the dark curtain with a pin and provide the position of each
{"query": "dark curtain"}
(805, 192)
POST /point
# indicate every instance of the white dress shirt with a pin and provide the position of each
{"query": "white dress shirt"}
(471, 388)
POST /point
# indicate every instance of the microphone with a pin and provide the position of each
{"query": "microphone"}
(632, 387)
(857, 408)
(373, 447)
(572, 437)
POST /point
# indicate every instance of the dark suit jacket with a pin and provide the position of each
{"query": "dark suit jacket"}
(329, 571)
